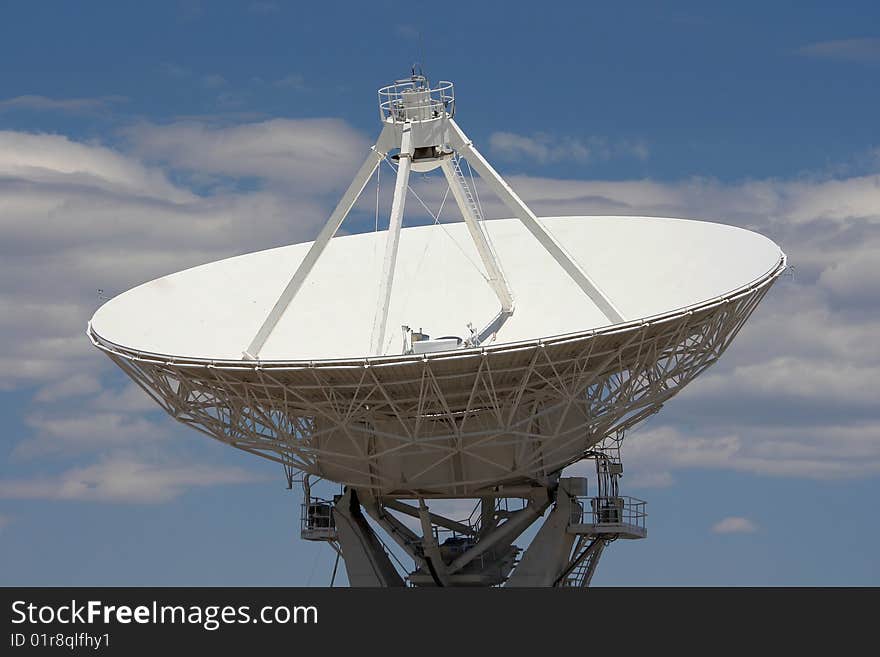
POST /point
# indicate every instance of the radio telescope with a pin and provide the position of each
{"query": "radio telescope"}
(454, 361)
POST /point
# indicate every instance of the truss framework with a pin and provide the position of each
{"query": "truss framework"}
(478, 550)
(446, 425)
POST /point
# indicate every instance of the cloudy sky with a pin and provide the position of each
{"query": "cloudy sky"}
(137, 140)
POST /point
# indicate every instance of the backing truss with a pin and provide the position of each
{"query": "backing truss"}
(449, 425)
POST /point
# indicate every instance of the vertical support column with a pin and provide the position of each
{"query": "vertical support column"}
(547, 555)
(490, 261)
(317, 249)
(487, 515)
(433, 560)
(464, 146)
(393, 239)
(366, 562)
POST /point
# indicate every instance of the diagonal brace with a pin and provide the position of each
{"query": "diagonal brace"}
(377, 154)
(466, 148)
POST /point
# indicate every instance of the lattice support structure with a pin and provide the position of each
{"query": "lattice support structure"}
(451, 424)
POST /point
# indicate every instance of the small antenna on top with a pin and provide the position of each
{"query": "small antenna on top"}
(417, 69)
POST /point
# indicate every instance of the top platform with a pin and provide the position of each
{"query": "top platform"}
(648, 266)
(414, 99)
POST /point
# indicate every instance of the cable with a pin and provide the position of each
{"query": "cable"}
(378, 172)
(438, 223)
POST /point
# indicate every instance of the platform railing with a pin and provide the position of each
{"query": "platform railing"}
(609, 511)
(414, 100)
(317, 522)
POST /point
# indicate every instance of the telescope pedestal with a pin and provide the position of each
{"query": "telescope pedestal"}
(479, 551)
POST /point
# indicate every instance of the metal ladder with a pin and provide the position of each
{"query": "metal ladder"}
(471, 199)
(582, 574)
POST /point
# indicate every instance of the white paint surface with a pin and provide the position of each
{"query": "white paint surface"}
(645, 265)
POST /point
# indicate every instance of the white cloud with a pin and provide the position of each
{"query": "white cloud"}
(174, 70)
(734, 525)
(312, 155)
(646, 479)
(854, 277)
(213, 81)
(864, 51)
(805, 378)
(72, 105)
(124, 481)
(293, 81)
(783, 205)
(128, 399)
(831, 451)
(81, 431)
(78, 385)
(46, 160)
(543, 148)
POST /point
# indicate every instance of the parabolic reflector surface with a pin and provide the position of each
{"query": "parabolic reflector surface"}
(555, 380)
(647, 266)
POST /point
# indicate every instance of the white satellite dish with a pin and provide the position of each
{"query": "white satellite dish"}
(471, 360)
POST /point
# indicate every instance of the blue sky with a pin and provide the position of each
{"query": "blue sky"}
(138, 140)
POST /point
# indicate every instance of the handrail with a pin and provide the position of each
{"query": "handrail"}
(621, 509)
(416, 100)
